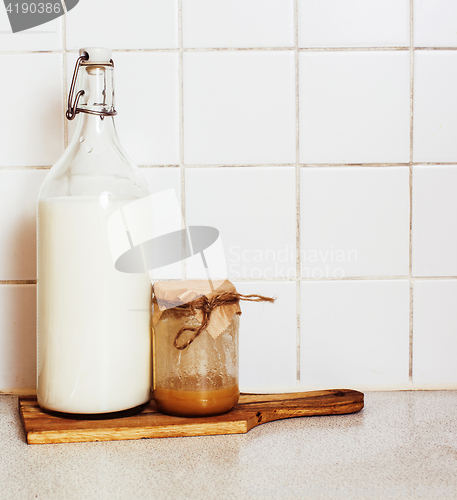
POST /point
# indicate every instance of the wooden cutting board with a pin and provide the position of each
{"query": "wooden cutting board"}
(252, 410)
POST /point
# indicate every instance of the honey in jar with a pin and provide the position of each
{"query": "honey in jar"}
(196, 403)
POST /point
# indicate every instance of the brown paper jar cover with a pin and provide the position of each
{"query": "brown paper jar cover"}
(172, 294)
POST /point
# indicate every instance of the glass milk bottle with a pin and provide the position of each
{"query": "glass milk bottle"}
(94, 341)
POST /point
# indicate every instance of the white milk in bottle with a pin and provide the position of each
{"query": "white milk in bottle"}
(93, 319)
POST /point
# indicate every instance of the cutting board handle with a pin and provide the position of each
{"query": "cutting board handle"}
(269, 407)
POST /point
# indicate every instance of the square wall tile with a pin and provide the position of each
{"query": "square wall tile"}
(161, 179)
(44, 37)
(435, 107)
(354, 107)
(18, 201)
(133, 25)
(239, 107)
(147, 102)
(160, 182)
(18, 337)
(238, 23)
(354, 221)
(434, 23)
(149, 132)
(435, 332)
(434, 233)
(268, 337)
(353, 23)
(31, 120)
(254, 210)
(354, 332)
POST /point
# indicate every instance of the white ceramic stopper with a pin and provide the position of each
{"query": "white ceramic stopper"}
(96, 54)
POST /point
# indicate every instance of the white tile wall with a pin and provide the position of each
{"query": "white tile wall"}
(434, 23)
(354, 107)
(239, 107)
(434, 332)
(160, 180)
(18, 198)
(258, 113)
(238, 23)
(354, 23)
(17, 336)
(31, 123)
(268, 337)
(435, 109)
(354, 221)
(258, 239)
(434, 232)
(147, 102)
(135, 25)
(354, 333)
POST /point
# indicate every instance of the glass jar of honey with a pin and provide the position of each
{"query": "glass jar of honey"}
(195, 347)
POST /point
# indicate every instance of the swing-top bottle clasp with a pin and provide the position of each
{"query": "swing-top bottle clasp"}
(89, 57)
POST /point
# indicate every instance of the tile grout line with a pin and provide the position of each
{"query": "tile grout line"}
(297, 194)
(353, 49)
(303, 387)
(241, 165)
(65, 82)
(354, 165)
(437, 163)
(304, 280)
(305, 165)
(435, 48)
(411, 143)
(18, 282)
(241, 49)
(181, 141)
(268, 49)
(259, 165)
(295, 48)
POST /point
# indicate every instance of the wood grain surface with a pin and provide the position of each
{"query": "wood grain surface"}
(251, 410)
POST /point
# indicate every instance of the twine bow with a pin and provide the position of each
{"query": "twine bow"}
(207, 306)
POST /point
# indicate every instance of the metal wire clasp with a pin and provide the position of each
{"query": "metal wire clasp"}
(73, 109)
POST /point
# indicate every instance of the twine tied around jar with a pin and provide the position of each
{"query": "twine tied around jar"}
(206, 306)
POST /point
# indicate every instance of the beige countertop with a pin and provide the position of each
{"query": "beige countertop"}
(401, 445)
